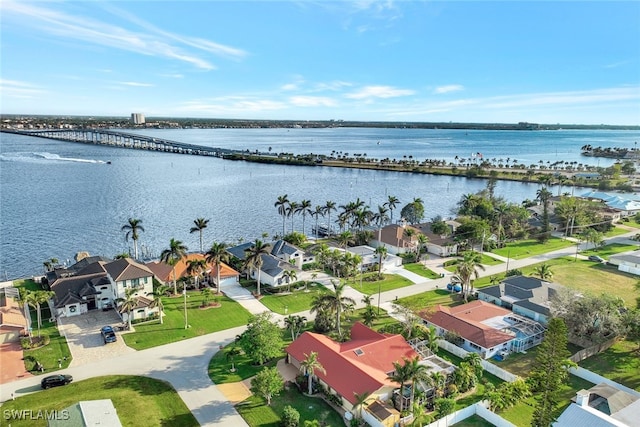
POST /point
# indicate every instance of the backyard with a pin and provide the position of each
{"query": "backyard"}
(620, 363)
(138, 401)
(201, 321)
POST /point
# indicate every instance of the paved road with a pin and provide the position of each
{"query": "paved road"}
(184, 364)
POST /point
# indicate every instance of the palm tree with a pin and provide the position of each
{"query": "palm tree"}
(128, 303)
(466, 268)
(29, 298)
(416, 372)
(345, 238)
(195, 268)
(432, 339)
(400, 375)
(316, 214)
(42, 297)
(172, 256)
(438, 380)
(253, 259)
(381, 251)
(290, 276)
(295, 324)
(133, 229)
(281, 204)
(50, 264)
(217, 254)
(199, 225)
(360, 399)
(328, 207)
(544, 195)
(231, 355)
(292, 210)
(391, 203)
(337, 302)
(543, 271)
(304, 209)
(310, 365)
(156, 299)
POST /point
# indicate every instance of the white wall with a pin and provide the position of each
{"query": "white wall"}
(475, 409)
(597, 379)
(486, 365)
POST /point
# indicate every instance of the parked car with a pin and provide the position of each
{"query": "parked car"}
(108, 334)
(55, 381)
(596, 258)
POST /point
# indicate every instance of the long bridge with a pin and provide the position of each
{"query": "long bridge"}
(123, 140)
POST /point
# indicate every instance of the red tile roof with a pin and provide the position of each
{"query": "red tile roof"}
(465, 320)
(359, 365)
(164, 271)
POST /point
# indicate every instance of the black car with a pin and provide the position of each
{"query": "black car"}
(55, 381)
(108, 334)
(595, 258)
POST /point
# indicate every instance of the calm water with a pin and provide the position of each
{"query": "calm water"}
(59, 198)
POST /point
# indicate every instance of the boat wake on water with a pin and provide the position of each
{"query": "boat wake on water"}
(38, 157)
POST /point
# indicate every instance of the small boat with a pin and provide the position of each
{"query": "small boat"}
(109, 162)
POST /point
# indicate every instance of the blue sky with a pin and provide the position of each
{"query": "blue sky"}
(507, 61)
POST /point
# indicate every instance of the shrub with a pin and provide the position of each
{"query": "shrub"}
(513, 272)
(290, 417)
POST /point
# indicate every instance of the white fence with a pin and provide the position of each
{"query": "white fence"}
(597, 379)
(464, 413)
(486, 365)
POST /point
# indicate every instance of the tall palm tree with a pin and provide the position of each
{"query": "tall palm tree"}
(400, 375)
(316, 213)
(328, 207)
(544, 195)
(282, 204)
(199, 225)
(345, 238)
(30, 300)
(195, 268)
(543, 271)
(381, 251)
(310, 365)
(467, 268)
(158, 293)
(392, 203)
(295, 324)
(292, 210)
(337, 302)
(217, 254)
(253, 259)
(416, 372)
(360, 400)
(290, 276)
(172, 256)
(133, 229)
(42, 297)
(304, 209)
(128, 303)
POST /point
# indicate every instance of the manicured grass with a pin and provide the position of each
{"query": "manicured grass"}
(430, 299)
(616, 231)
(531, 247)
(520, 363)
(608, 250)
(420, 269)
(27, 284)
(294, 302)
(138, 401)
(488, 260)
(229, 315)
(473, 421)
(390, 282)
(522, 413)
(256, 413)
(48, 356)
(631, 223)
(620, 363)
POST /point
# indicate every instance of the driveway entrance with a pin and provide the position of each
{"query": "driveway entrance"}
(11, 363)
(84, 339)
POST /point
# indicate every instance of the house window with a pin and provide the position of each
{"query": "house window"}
(140, 311)
(135, 283)
(104, 288)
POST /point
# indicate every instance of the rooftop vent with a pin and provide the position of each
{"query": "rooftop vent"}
(358, 352)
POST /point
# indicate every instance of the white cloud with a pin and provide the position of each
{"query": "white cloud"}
(136, 84)
(369, 92)
(19, 89)
(331, 86)
(448, 89)
(230, 105)
(312, 101)
(173, 75)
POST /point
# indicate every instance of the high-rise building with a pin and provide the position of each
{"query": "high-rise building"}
(137, 118)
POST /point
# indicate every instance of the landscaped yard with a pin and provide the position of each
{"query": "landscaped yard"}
(420, 269)
(620, 363)
(202, 321)
(48, 356)
(294, 302)
(520, 363)
(430, 299)
(390, 282)
(531, 247)
(138, 401)
(256, 413)
(607, 250)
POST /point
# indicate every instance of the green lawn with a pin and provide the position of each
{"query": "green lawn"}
(520, 363)
(256, 413)
(608, 250)
(294, 302)
(473, 421)
(522, 413)
(616, 231)
(48, 356)
(220, 366)
(27, 284)
(138, 401)
(430, 299)
(531, 247)
(370, 285)
(620, 363)
(229, 315)
(418, 268)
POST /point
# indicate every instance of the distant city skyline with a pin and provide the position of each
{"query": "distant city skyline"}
(476, 61)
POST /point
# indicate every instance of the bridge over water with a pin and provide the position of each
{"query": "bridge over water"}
(123, 140)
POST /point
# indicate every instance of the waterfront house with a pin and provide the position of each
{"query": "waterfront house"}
(13, 322)
(443, 245)
(484, 328)
(370, 259)
(272, 272)
(395, 239)
(527, 296)
(164, 272)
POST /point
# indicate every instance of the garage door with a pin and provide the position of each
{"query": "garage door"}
(9, 336)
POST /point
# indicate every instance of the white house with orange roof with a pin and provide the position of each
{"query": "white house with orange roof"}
(164, 272)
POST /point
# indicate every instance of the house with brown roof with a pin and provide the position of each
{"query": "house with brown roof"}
(13, 322)
(164, 272)
(359, 365)
(101, 284)
(485, 328)
(395, 238)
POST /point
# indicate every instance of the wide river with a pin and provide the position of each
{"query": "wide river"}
(58, 198)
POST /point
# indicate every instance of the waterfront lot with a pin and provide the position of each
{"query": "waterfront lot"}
(531, 247)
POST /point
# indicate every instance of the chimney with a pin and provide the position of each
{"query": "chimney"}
(582, 398)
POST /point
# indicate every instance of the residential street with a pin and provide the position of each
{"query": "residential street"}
(184, 363)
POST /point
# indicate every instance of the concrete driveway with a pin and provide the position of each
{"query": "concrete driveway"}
(84, 339)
